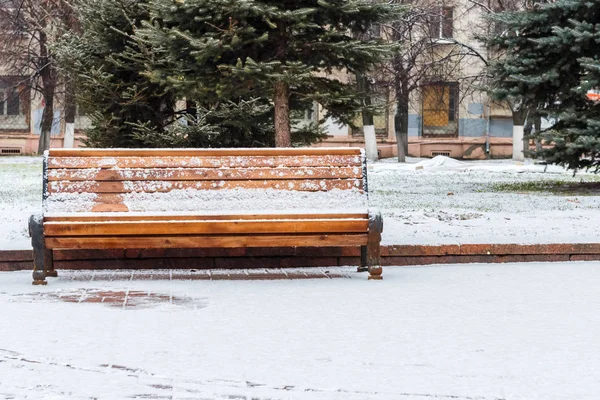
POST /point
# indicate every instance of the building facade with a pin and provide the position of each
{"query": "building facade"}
(448, 114)
(21, 111)
(21, 106)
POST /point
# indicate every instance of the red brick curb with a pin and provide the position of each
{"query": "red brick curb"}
(13, 260)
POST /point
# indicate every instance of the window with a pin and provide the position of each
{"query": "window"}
(380, 98)
(14, 96)
(9, 102)
(452, 102)
(11, 19)
(441, 23)
(308, 114)
(440, 109)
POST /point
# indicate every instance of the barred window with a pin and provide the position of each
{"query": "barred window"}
(440, 109)
(9, 102)
(12, 95)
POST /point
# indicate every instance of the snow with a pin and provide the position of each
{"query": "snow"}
(70, 202)
(245, 200)
(81, 173)
(20, 196)
(442, 163)
(142, 214)
(206, 161)
(425, 201)
(464, 332)
(455, 332)
(446, 201)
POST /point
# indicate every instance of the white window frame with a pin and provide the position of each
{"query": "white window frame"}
(438, 33)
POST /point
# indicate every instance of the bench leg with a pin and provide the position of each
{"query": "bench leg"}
(363, 260)
(41, 255)
(373, 248)
(49, 263)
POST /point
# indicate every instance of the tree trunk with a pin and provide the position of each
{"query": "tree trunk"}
(191, 108)
(70, 111)
(533, 120)
(72, 26)
(538, 140)
(517, 154)
(527, 128)
(519, 117)
(401, 118)
(367, 120)
(526, 145)
(48, 87)
(282, 114)
(281, 92)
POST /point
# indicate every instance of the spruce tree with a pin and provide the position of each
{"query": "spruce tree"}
(550, 62)
(576, 135)
(214, 51)
(110, 87)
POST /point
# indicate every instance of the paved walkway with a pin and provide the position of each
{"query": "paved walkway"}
(454, 332)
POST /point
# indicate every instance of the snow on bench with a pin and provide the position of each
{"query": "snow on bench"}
(182, 198)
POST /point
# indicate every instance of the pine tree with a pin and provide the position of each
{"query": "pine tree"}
(548, 66)
(215, 51)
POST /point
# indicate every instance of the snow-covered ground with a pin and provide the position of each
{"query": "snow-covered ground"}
(459, 332)
(425, 201)
(453, 332)
(20, 196)
(446, 201)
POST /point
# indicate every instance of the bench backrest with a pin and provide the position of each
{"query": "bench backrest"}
(97, 180)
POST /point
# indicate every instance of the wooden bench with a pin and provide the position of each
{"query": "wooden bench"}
(204, 198)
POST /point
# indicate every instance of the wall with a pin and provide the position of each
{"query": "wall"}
(28, 143)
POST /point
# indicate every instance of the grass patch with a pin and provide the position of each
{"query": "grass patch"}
(565, 188)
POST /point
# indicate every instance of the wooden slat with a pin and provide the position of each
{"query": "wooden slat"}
(306, 185)
(108, 198)
(203, 152)
(205, 162)
(137, 228)
(180, 174)
(133, 216)
(105, 207)
(227, 241)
